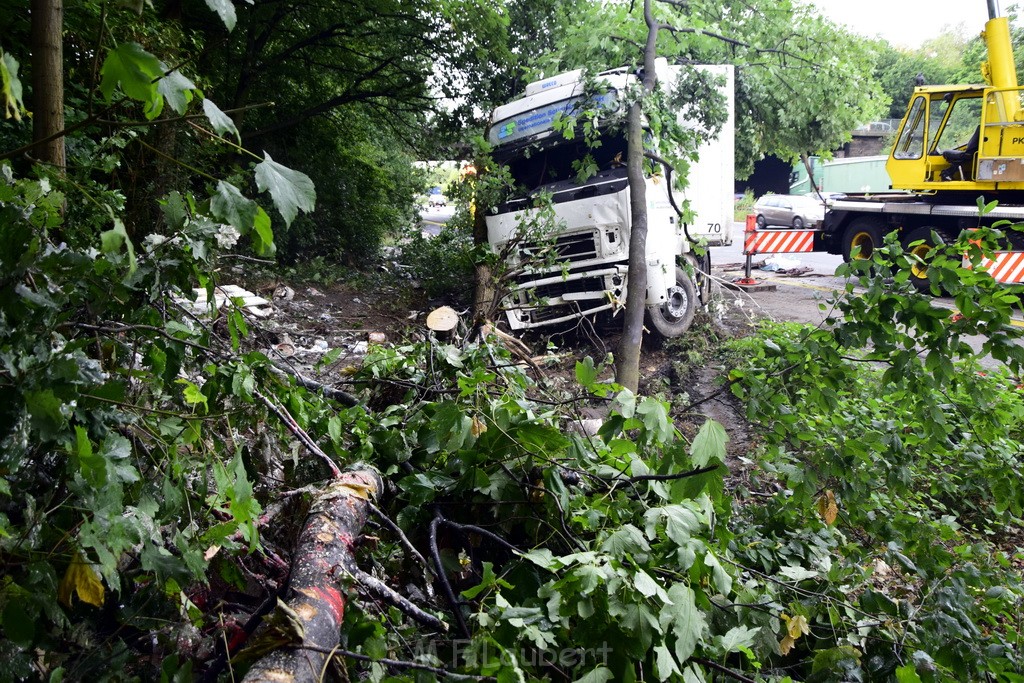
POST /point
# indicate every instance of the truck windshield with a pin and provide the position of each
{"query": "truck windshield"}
(532, 168)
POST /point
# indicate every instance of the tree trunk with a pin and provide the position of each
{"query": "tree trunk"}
(485, 305)
(627, 356)
(48, 80)
(810, 173)
(323, 558)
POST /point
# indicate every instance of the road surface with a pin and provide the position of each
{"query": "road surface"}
(796, 299)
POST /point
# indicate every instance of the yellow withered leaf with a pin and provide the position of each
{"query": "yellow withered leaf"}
(796, 626)
(827, 507)
(478, 427)
(82, 579)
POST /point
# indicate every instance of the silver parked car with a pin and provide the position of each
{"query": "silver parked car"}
(788, 210)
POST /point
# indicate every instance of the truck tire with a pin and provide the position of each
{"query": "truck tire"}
(919, 270)
(865, 233)
(673, 317)
(701, 266)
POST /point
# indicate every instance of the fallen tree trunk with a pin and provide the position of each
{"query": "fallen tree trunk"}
(315, 605)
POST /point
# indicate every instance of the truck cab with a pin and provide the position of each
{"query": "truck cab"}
(590, 242)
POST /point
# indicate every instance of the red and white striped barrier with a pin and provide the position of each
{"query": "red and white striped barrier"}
(1005, 267)
(779, 241)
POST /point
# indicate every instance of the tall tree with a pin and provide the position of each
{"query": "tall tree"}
(802, 86)
(627, 358)
(48, 81)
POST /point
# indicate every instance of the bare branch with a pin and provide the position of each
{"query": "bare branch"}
(390, 596)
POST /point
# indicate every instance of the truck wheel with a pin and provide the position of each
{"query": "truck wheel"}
(865, 233)
(701, 275)
(761, 222)
(922, 252)
(673, 317)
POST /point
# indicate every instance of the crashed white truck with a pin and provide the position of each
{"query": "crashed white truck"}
(591, 242)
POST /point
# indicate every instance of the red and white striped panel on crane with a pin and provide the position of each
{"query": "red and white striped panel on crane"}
(1005, 267)
(778, 241)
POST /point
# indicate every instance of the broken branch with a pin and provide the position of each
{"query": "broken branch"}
(315, 606)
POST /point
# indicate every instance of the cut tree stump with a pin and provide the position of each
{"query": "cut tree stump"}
(315, 605)
(443, 320)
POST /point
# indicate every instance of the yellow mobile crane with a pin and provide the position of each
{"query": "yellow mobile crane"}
(956, 143)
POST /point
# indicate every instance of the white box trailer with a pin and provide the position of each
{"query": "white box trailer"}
(592, 239)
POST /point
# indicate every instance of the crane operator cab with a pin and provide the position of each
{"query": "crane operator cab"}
(965, 137)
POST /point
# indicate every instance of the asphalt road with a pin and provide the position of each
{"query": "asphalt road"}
(796, 299)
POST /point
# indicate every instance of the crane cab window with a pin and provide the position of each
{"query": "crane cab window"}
(911, 141)
(961, 123)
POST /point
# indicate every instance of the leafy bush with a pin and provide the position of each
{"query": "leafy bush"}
(744, 205)
(884, 425)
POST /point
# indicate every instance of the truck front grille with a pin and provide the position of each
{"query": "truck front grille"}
(581, 246)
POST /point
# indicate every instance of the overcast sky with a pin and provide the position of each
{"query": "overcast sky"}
(907, 22)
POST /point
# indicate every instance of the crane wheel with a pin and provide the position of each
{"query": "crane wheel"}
(861, 238)
(921, 253)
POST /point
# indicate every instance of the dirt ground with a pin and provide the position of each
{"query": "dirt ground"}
(305, 321)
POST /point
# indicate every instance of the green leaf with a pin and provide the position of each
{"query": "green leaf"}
(177, 90)
(221, 122)
(665, 662)
(625, 402)
(686, 621)
(44, 407)
(488, 580)
(135, 70)
(542, 557)
(174, 210)
(10, 87)
(828, 661)
(708, 444)
(644, 584)
(626, 540)
(263, 239)
(906, 674)
(655, 417)
(291, 190)
(737, 639)
(18, 625)
(720, 577)
(116, 453)
(225, 10)
(601, 674)
(193, 395)
(112, 240)
(230, 205)
(92, 466)
(586, 373)
(334, 429)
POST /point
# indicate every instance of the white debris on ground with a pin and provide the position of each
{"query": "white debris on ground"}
(779, 263)
(296, 329)
(309, 327)
(252, 303)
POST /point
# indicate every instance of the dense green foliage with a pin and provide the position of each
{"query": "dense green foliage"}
(888, 418)
(148, 477)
